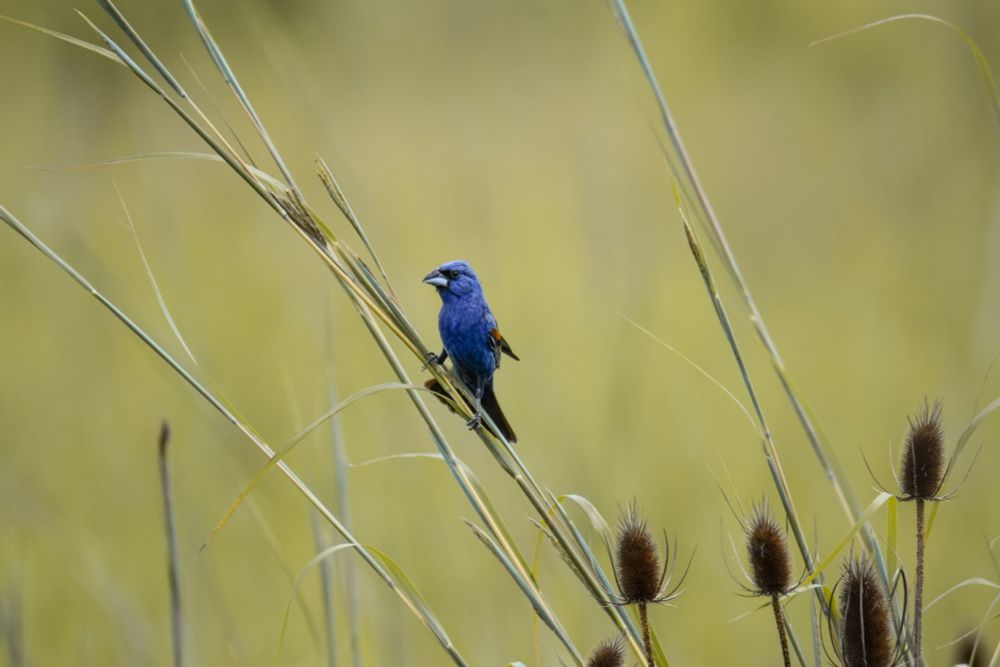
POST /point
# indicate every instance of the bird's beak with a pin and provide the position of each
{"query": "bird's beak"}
(436, 278)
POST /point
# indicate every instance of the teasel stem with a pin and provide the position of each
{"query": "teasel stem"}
(782, 635)
(646, 639)
(918, 598)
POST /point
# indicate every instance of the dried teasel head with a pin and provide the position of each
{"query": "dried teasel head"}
(923, 465)
(609, 653)
(767, 550)
(866, 636)
(637, 560)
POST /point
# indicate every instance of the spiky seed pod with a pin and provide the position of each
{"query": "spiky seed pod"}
(768, 553)
(609, 653)
(922, 468)
(637, 560)
(866, 636)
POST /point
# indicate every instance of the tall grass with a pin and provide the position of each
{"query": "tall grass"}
(173, 551)
(380, 311)
(384, 317)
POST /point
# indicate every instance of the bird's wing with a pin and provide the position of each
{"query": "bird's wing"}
(500, 344)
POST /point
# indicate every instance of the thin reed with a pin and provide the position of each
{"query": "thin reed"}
(588, 605)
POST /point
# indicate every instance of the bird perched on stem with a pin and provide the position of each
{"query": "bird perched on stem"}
(471, 338)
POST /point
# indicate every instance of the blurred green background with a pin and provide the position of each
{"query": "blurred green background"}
(857, 183)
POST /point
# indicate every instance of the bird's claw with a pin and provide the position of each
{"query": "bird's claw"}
(431, 358)
(475, 422)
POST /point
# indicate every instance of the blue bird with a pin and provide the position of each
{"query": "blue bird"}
(471, 338)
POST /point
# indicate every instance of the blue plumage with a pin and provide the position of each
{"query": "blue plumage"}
(470, 336)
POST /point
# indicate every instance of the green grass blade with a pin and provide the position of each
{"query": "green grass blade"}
(624, 622)
(770, 452)
(319, 558)
(173, 550)
(230, 77)
(530, 591)
(373, 302)
(793, 640)
(407, 586)
(279, 456)
(891, 516)
(880, 500)
(659, 657)
(536, 570)
(215, 142)
(140, 44)
(972, 581)
(352, 286)
(683, 169)
(83, 44)
(340, 467)
(161, 302)
(982, 65)
(597, 519)
(963, 439)
(163, 155)
(325, 591)
(280, 552)
(690, 362)
(500, 526)
(242, 426)
(336, 194)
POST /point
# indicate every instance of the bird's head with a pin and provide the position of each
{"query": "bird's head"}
(454, 279)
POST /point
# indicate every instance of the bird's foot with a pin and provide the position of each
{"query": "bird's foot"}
(475, 422)
(431, 358)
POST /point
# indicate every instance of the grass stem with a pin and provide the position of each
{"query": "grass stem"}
(173, 561)
(342, 500)
(326, 591)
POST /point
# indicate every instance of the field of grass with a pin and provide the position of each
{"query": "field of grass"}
(856, 183)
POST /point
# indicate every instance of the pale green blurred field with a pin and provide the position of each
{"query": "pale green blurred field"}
(857, 183)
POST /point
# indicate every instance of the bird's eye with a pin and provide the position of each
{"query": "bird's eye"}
(451, 274)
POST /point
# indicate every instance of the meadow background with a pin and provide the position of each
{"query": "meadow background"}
(857, 181)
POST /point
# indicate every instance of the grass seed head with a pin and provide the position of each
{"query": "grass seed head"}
(609, 653)
(921, 471)
(637, 560)
(866, 636)
(767, 549)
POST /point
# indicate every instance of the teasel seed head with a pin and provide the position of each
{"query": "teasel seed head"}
(866, 634)
(637, 560)
(767, 548)
(922, 468)
(609, 653)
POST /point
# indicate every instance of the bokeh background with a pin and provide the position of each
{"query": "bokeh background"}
(857, 181)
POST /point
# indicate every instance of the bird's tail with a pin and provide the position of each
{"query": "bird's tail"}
(490, 406)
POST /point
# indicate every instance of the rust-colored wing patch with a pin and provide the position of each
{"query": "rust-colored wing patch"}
(503, 345)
